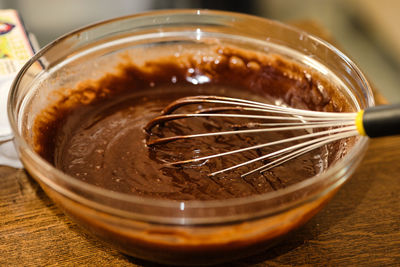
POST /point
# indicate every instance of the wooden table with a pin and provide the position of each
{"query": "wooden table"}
(360, 226)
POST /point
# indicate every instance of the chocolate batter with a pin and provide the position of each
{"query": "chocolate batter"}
(95, 132)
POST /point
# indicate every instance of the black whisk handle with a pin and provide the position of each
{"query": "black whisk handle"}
(382, 120)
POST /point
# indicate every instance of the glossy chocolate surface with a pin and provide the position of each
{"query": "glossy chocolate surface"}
(95, 132)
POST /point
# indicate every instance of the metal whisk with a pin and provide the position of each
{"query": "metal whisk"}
(329, 126)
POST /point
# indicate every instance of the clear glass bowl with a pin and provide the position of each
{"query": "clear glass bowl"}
(187, 232)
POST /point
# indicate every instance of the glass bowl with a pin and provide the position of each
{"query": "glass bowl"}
(166, 231)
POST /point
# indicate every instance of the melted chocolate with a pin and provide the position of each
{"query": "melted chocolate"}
(95, 133)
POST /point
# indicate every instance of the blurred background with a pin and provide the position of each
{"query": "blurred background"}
(367, 30)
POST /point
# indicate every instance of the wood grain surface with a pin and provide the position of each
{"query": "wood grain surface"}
(359, 227)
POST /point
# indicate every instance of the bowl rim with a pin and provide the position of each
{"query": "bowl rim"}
(356, 150)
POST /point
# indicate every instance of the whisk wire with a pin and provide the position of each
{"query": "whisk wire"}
(292, 139)
(297, 126)
(277, 118)
(309, 145)
(248, 103)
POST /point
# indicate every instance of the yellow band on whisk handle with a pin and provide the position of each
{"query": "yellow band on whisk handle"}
(360, 124)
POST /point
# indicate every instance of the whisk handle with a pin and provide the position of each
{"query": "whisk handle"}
(382, 120)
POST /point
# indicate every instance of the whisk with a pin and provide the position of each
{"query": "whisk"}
(320, 128)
